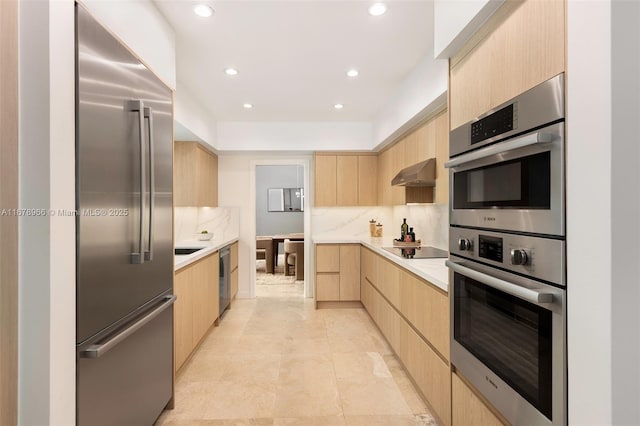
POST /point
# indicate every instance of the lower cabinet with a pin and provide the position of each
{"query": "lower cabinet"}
(413, 315)
(467, 408)
(234, 270)
(197, 305)
(337, 272)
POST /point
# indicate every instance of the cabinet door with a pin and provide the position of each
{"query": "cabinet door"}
(182, 316)
(207, 178)
(523, 45)
(347, 180)
(327, 287)
(384, 178)
(350, 272)
(467, 409)
(430, 373)
(234, 283)
(425, 141)
(325, 180)
(185, 191)
(327, 258)
(427, 308)
(205, 295)
(234, 256)
(397, 164)
(367, 180)
(411, 151)
(442, 155)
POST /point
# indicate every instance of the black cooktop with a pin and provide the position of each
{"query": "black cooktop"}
(427, 252)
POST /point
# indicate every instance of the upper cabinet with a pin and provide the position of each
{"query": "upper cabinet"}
(430, 140)
(195, 176)
(522, 45)
(345, 180)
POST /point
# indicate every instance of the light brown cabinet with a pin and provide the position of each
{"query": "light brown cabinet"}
(413, 315)
(325, 180)
(467, 409)
(337, 272)
(522, 45)
(234, 270)
(430, 140)
(195, 176)
(197, 305)
(345, 180)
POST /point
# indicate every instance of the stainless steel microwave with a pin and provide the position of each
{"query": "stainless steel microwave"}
(507, 166)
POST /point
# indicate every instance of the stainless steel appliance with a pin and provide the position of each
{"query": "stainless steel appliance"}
(507, 263)
(508, 334)
(507, 166)
(124, 332)
(426, 252)
(225, 279)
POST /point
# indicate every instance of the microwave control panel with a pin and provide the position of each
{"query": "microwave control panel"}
(501, 121)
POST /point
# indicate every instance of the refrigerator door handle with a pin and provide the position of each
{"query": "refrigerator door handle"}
(96, 351)
(138, 106)
(148, 115)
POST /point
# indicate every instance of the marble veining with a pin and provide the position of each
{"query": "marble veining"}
(430, 223)
(348, 221)
(223, 222)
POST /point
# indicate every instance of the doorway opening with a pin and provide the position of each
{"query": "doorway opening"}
(281, 219)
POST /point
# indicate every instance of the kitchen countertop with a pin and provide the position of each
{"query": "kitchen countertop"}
(208, 247)
(432, 270)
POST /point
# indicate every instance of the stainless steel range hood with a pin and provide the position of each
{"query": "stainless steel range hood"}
(420, 174)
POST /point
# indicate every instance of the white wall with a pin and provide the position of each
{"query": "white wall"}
(278, 176)
(236, 188)
(46, 370)
(194, 117)
(456, 21)
(625, 212)
(602, 212)
(420, 94)
(141, 26)
(289, 136)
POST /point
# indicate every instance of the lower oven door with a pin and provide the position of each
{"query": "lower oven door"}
(508, 339)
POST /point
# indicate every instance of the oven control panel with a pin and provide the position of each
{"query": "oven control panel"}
(535, 257)
(490, 248)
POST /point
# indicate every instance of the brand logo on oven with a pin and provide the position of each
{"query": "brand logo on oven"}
(490, 382)
(489, 219)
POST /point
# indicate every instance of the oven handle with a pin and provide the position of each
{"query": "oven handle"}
(532, 139)
(528, 294)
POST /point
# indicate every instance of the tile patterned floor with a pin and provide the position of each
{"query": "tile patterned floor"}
(277, 361)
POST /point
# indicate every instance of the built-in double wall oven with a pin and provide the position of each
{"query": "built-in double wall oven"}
(507, 255)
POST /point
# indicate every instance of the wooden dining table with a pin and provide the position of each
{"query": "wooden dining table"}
(277, 239)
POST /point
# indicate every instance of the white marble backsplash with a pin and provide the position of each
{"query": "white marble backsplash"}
(348, 221)
(185, 223)
(430, 223)
(223, 222)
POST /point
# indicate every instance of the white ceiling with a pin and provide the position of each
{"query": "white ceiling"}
(293, 56)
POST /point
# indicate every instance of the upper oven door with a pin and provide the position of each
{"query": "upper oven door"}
(516, 184)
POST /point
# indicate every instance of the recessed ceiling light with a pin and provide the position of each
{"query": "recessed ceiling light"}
(247, 106)
(377, 9)
(352, 73)
(338, 106)
(231, 71)
(203, 10)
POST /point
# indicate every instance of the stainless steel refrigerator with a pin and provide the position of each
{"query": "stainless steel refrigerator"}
(124, 277)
